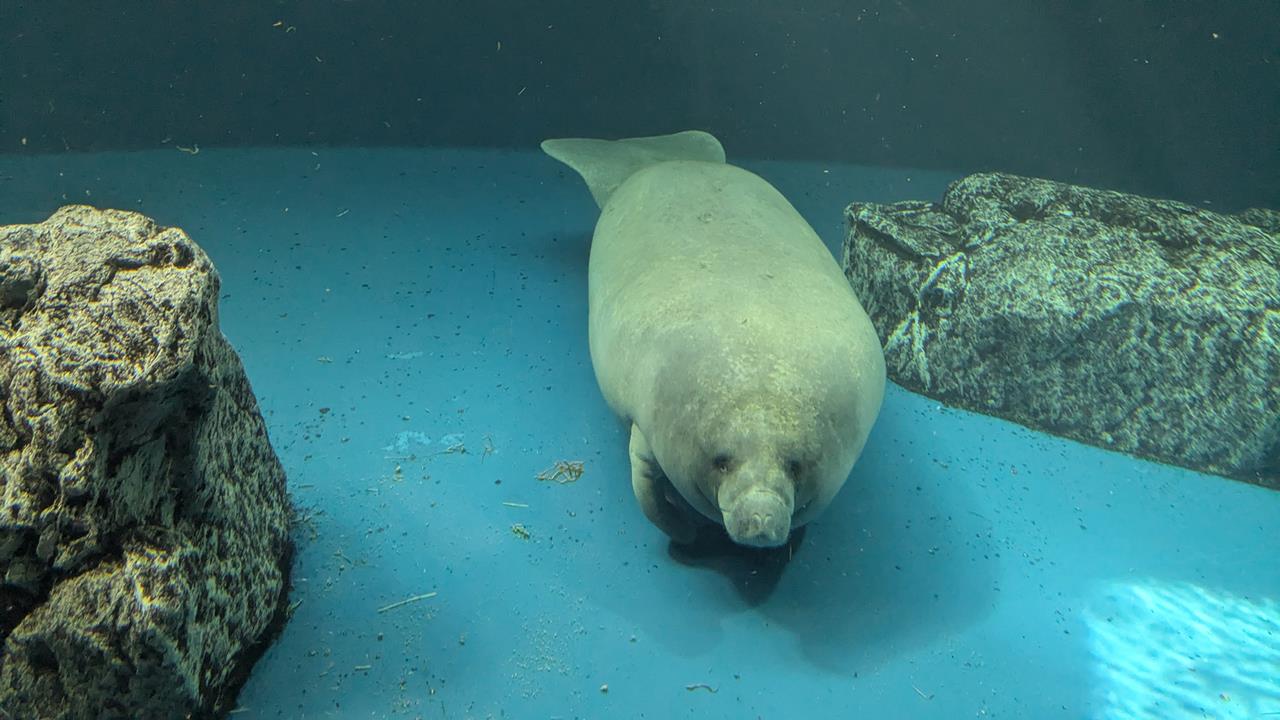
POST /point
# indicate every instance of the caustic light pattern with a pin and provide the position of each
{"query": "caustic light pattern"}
(1181, 651)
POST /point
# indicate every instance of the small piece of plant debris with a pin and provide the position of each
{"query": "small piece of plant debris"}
(699, 686)
(406, 601)
(488, 450)
(520, 531)
(563, 472)
(454, 449)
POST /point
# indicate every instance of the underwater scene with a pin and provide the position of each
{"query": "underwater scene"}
(890, 359)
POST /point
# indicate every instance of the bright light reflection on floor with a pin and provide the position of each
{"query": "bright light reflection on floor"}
(1179, 651)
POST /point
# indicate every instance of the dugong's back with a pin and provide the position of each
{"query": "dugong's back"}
(698, 254)
(694, 258)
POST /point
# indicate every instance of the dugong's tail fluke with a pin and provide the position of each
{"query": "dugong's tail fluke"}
(604, 164)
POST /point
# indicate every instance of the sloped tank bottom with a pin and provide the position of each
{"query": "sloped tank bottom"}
(413, 322)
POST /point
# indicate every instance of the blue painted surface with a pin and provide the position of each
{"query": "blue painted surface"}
(413, 323)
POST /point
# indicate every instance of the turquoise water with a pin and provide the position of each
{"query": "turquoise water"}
(414, 325)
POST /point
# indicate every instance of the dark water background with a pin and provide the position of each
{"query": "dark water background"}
(1178, 98)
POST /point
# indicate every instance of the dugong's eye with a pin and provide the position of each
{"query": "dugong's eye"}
(794, 468)
(722, 462)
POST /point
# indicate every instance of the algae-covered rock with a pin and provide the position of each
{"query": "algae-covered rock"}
(1141, 325)
(144, 545)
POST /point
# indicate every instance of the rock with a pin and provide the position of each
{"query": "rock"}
(144, 537)
(1146, 326)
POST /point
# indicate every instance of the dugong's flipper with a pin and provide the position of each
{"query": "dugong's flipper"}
(604, 164)
(651, 487)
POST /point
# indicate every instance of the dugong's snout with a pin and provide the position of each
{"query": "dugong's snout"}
(760, 517)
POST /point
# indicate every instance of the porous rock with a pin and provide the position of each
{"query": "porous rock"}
(144, 541)
(1146, 326)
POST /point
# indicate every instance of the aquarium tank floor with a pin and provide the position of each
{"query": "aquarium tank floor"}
(414, 325)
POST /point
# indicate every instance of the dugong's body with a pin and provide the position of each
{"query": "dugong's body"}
(724, 331)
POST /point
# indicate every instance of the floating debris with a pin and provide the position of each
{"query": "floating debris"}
(563, 472)
(454, 449)
(406, 601)
(520, 531)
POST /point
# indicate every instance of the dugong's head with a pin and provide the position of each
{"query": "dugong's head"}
(756, 493)
(760, 458)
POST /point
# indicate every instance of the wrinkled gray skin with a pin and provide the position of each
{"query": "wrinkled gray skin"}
(723, 329)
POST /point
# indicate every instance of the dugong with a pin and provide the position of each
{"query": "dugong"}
(723, 330)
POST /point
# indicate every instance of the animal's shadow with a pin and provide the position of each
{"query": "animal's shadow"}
(754, 572)
(900, 557)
